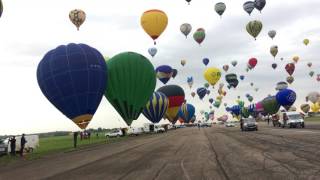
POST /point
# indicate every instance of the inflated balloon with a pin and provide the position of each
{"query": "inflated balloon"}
(220, 8)
(174, 73)
(210, 100)
(259, 107)
(272, 34)
(282, 59)
(315, 107)
(152, 51)
(290, 68)
(132, 81)
(188, 1)
(248, 7)
(305, 108)
(274, 65)
(290, 79)
(225, 104)
(250, 98)
(254, 28)
(199, 35)
(193, 94)
(190, 81)
(205, 61)
(73, 78)
(185, 29)
(270, 105)
(217, 104)
(225, 68)
(176, 96)
(206, 85)
(286, 98)
(1, 8)
(306, 42)
(183, 62)
(281, 86)
(164, 73)
(245, 112)
(256, 89)
(201, 92)
(295, 59)
(311, 73)
(309, 64)
(156, 107)
(186, 112)
(274, 51)
(318, 77)
(259, 4)
(77, 17)
(241, 77)
(314, 97)
(154, 22)
(251, 84)
(212, 75)
(234, 63)
(232, 80)
(252, 63)
(208, 92)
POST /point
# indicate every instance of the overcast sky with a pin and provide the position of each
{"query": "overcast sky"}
(29, 29)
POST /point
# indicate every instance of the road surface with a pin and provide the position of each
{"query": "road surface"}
(187, 154)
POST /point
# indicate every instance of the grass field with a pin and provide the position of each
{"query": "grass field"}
(312, 119)
(50, 145)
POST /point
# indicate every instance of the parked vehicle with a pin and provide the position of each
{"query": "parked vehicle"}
(148, 127)
(159, 129)
(291, 119)
(135, 131)
(249, 124)
(114, 133)
(230, 124)
(3, 147)
(30, 146)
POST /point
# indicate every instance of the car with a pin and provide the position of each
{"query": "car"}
(293, 119)
(159, 129)
(249, 124)
(135, 131)
(3, 147)
(114, 133)
(230, 124)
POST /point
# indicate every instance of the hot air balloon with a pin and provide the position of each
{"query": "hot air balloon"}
(199, 35)
(212, 75)
(156, 107)
(305, 108)
(254, 28)
(210, 100)
(164, 73)
(220, 8)
(318, 77)
(259, 107)
(274, 50)
(234, 63)
(217, 103)
(73, 78)
(186, 112)
(154, 22)
(306, 42)
(248, 7)
(259, 4)
(251, 84)
(272, 34)
(314, 97)
(193, 94)
(225, 68)
(274, 65)
(309, 64)
(252, 63)
(290, 79)
(315, 107)
(242, 77)
(296, 59)
(232, 80)
(188, 1)
(250, 98)
(77, 17)
(225, 104)
(270, 105)
(201, 92)
(290, 68)
(256, 89)
(190, 81)
(281, 86)
(176, 96)
(311, 73)
(206, 85)
(132, 81)
(183, 62)
(1, 8)
(185, 29)
(286, 98)
(205, 61)
(174, 73)
(152, 51)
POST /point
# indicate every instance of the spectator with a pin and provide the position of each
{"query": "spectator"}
(23, 143)
(75, 137)
(12, 141)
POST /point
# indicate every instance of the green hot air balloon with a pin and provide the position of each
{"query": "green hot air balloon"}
(132, 81)
(1, 8)
(254, 28)
(245, 112)
(270, 105)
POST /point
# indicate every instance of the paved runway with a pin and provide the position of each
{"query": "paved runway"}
(190, 154)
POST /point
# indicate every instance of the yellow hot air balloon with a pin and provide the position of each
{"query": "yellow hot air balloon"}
(306, 42)
(315, 107)
(212, 75)
(154, 22)
(295, 59)
(183, 62)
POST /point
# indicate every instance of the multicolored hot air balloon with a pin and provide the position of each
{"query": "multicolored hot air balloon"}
(186, 112)
(281, 86)
(199, 35)
(248, 7)
(201, 92)
(220, 8)
(259, 4)
(77, 17)
(154, 22)
(190, 81)
(232, 80)
(272, 34)
(212, 75)
(164, 73)
(73, 78)
(176, 96)
(152, 51)
(132, 81)
(305, 108)
(254, 28)
(290, 79)
(156, 107)
(290, 68)
(186, 29)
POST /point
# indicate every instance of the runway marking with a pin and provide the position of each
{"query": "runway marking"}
(185, 173)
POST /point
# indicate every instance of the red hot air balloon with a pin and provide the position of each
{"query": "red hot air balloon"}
(290, 68)
(252, 63)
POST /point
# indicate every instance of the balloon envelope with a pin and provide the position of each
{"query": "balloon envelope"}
(259, 4)
(201, 92)
(270, 105)
(212, 75)
(248, 6)
(281, 85)
(254, 28)
(185, 29)
(186, 112)
(156, 107)
(272, 34)
(205, 61)
(174, 73)
(290, 68)
(305, 108)
(220, 8)
(152, 51)
(77, 17)
(164, 73)
(286, 98)
(199, 35)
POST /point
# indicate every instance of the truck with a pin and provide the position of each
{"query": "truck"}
(291, 119)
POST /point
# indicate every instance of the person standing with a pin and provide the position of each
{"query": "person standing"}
(22, 144)
(75, 137)
(12, 141)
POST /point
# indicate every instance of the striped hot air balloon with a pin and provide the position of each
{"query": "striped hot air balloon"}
(254, 28)
(156, 107)
(186, 112)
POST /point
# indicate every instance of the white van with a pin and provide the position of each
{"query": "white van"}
(293, 119)
(135, 131)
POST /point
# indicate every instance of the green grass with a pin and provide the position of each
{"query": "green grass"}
(313, 119)
(51, 145)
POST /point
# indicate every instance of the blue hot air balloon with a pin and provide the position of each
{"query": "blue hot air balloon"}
(205, 61)
(152, 51)
(186, 112)
(201, 92)
(241, 77)
(73, 78)
(164, 73)
(236, 109)
(156, 107)
(286, 98)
